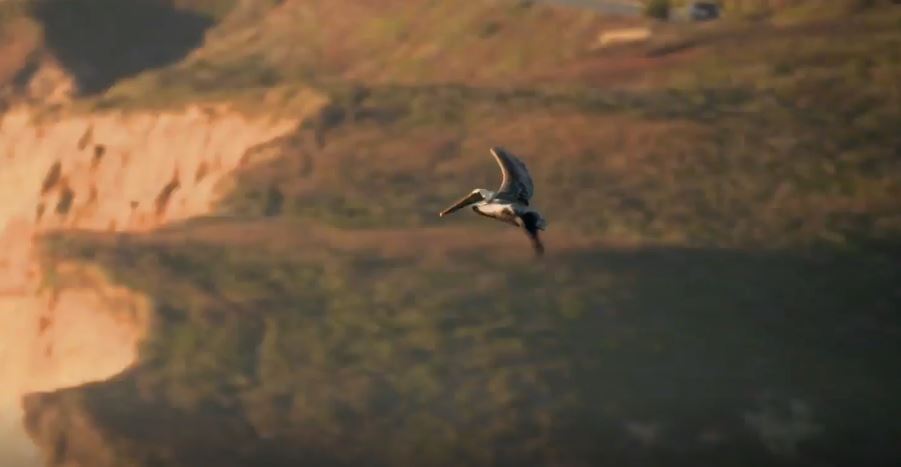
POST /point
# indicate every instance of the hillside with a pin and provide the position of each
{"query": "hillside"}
(240, 197)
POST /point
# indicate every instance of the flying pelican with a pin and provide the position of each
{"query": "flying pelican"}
(510, 203)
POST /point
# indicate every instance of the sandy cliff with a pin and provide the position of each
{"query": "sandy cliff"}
(111, 171)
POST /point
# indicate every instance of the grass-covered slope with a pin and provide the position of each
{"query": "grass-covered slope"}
(762, 136)
(720, 286)
(282, 344)
(267, 44)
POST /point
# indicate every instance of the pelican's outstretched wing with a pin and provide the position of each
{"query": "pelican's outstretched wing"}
(517, 183)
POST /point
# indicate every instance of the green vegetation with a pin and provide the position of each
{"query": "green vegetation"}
(657, 9)
(347, 352)
(722, 252)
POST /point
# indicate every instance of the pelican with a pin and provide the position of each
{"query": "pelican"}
(510, 203)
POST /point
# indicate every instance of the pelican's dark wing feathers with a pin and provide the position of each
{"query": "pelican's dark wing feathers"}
(516, 184)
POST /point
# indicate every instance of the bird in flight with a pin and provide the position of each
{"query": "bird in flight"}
(510, 203)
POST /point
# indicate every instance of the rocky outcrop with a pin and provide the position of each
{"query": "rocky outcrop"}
(111, 171)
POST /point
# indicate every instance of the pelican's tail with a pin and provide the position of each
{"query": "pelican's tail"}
(536, 244)
(533, 222)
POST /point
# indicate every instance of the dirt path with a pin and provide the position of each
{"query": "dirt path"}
(497, 241)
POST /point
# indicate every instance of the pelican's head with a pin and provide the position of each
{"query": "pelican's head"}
(479, 195)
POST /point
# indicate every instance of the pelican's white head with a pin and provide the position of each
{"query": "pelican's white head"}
(477, 196)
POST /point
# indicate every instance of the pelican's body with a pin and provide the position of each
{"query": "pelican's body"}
(510, 203)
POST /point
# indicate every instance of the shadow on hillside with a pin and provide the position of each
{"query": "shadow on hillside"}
(103, 41)
(657, 357)
(725, 357)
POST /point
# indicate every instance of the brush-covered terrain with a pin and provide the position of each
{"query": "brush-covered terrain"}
(721, 284)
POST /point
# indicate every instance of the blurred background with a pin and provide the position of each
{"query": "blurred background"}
(219, 241)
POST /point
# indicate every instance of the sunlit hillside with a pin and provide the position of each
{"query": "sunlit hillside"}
(721, 281)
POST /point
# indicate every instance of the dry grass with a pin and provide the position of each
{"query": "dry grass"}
(693, 166)
(409, 43)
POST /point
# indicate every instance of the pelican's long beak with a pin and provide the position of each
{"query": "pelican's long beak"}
(466, 201)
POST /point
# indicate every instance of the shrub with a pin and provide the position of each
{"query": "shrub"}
(657, 9)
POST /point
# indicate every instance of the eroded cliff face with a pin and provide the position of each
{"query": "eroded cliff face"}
(113, 171)
(81, 332)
